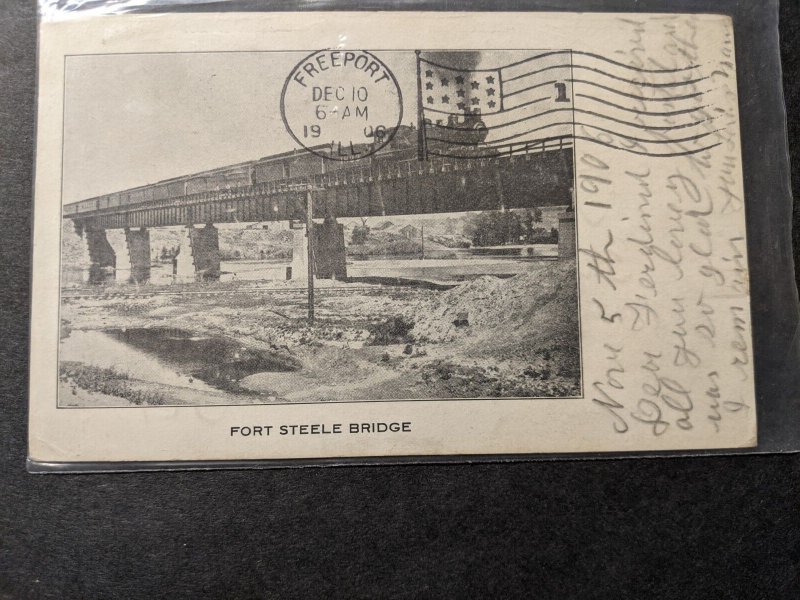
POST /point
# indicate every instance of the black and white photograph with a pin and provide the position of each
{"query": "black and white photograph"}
(332, 226)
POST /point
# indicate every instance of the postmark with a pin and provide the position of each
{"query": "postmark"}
(342, 105)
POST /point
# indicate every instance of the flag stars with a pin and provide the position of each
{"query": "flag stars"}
(430, 99)
(492, 103)
(428, 73)
(445, 99)
(474, 101)
(475, 85)
(429, 86)
(490, 80)
(460, 93)
(459, 80)
(445, 82)
(490, 92)
(461, 106)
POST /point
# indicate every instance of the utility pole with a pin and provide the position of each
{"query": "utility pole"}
(422, 238)
(309, 188)
(310, 236)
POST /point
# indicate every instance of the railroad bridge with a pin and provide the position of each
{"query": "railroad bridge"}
(392, 182)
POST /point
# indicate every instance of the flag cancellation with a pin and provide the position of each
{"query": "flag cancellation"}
(491, 103)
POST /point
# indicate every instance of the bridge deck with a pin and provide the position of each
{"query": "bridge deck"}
(437, 186)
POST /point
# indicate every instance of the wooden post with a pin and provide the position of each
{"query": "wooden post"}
(310, 235)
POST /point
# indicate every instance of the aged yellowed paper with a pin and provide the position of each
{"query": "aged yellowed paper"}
(281, 236)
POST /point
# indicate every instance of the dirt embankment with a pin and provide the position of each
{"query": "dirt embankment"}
(537, 309)
(529, 318)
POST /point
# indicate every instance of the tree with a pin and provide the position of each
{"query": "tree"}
(494, 228)
(531, 217)
(360, 233)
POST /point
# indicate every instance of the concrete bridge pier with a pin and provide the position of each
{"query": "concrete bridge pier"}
(566, 234)
(328, 248)
(198, 257)
(299, 255)
(133, 256)
(102, 259)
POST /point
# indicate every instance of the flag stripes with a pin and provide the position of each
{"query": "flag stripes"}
(476, 104)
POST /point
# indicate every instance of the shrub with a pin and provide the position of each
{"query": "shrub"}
(395, 330)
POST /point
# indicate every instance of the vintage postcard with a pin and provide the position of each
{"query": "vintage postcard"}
(342, 235)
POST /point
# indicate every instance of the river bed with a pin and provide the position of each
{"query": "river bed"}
(172, 357)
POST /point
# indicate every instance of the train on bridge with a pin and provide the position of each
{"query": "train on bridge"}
(292, 165)
(399, 156)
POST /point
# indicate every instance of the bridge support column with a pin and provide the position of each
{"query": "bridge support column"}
(329, 252)
(300, 255)
(198, 257)
(566, 234)
(133, 259)
(102, 260)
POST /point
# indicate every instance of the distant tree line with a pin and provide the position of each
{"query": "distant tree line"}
(490, 228)
(497, 228)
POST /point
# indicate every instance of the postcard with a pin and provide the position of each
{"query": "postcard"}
(375, 235)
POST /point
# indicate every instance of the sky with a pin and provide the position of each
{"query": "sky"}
(135, 119)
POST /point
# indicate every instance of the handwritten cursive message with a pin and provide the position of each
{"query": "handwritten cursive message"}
(661, 236)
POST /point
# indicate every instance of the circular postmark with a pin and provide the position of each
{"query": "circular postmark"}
(341, 104)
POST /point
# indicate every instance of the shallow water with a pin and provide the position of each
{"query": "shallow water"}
(174, 357)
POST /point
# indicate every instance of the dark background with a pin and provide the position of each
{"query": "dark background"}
(714, 527)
